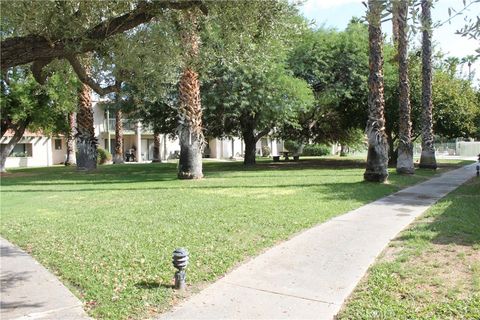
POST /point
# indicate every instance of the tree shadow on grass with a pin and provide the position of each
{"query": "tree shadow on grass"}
(358, 191)
(113, 174)
(148, 285)
(456, 219)
(144, 173)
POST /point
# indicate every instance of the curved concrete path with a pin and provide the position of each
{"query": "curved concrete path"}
(29, 291)
(311, 275)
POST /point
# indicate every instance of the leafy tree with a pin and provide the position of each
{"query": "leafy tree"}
(339, 84)
(40, 32)
(246, 88)
(240, 101)
(456, 106)
(27, 105)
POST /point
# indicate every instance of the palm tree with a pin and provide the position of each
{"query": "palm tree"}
(405, 146)
(118, 156)
(469, 60)
(427, 158)
(156, 147)
(70, 159)
(86, 140)
(190, 110)
(452, 64)
(377, 159)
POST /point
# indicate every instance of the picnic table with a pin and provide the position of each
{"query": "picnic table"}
(285, 154)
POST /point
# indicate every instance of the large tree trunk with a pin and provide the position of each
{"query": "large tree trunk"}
(86, 140)
(250, 147)
(427, 159)
(157, 157)
(5, 125)
(251, 136)
(70, 156)
(5, 152)
(190, 111)
(377, 159)
(118, 156)
(405, 145)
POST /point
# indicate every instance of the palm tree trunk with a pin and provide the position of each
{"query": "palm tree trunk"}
(395, 22)
(427, 158)
(86, 140)
(190, 128)
(157, 157)
(118, 156)
(377, 159)
(405, 146)
(70, 159)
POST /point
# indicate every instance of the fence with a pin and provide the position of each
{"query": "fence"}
(459, 149)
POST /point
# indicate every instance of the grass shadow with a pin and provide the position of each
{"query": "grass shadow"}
(454, 220)
(148, 285)
(165, 172)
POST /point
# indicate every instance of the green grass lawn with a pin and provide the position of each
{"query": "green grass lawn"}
(109, 235)
(432, 270)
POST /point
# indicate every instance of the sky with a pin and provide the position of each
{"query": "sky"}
(337, 14)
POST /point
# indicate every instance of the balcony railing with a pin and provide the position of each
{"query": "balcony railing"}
(128, 126)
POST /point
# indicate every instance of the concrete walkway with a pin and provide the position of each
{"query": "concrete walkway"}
(29, 291)
(311, 275)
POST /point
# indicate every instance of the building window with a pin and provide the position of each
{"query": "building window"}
(58, 144)
(112, 145)
(20, 150)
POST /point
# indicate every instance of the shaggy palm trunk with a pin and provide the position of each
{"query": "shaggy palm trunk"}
(395, 22)
(5, 152)
(118, 156)
(405, 146)
(156, 147)
(70, 156)
(377, 159)
(427, 159)
(190, 111)
(86, 141)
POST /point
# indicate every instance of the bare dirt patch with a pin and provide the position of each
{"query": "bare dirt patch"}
(440, 271)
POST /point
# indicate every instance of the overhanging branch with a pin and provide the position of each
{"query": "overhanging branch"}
(31, 48)
(86, 79)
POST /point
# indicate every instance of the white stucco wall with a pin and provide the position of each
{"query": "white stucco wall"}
(98, 119)
(222, 148)
(41, 153)
(45, 154)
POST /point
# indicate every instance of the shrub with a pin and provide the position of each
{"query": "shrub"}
(18, 154)
(266, 151)
(292, 146)
(103, 156)
(316, 150)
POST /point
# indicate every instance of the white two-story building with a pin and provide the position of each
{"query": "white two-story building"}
(35, 149)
